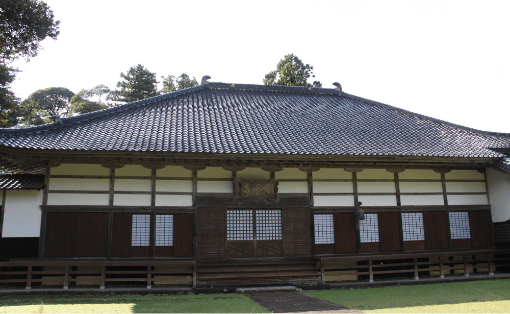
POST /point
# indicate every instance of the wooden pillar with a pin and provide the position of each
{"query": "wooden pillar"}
(491, 265)
(194, 188)
(153, 187)
(2, 212)
(149, 277)
(194, 275)
(310, 187)
(110, 236)
(416, 277)
(443, 183)
(356, 203)
(466, 269)
(152, 235)
(112, 186)
(29, 278)
(370, 271)
(42, 232)
(66, 277)
(323, 273)
(103, 277)
(441, 270)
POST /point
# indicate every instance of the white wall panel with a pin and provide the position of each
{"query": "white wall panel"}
(80, 169)
(376, 187)
(174, 200)
(419, 174)
(22, 216)
(214, 172)
(132, 200)
(378, 200)
(132, 185)
(464, 175)
(291, 173)
(133, 170)
(174, 186)
(78, 199)
(292, 187)
(331, 173)
(375, 174)
(467, 200)
(174, 171)
(421, 187)
(332, 187)
(341, 200)
(215, 187)
(465, 187)
(499, 192)
(253, 173)
(418, 200)
(79, 184)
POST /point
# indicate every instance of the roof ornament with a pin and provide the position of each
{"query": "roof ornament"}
(338, 86)
(57, 119)
(204, 80)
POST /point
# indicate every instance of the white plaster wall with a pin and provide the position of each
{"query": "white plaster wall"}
(174, 200)
(133, 170)
(378, 200)
(291, 173)
(215, 187)
(464, 175)
(174, 171)
(340, 200)
(292, 187)
(214, 172)
(418, 200)
(332, 187)
(375, 174)
(376, 187)
(421, 187)
(465, 187)
(253, 173)
(80, 169)
(132, 185)
(22, 216)
(132, 200)
(174, 186)
(78, 199)
(467, 200)
(499, 193)
(425, 174)
(331, 173)
(79, 184)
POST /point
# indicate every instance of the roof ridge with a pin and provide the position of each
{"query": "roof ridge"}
(99, 113)
(421, 116)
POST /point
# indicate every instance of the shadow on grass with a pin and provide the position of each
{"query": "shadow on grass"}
(227, 303)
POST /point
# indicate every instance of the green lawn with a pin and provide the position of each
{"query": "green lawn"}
(211, 303)
(490, 296)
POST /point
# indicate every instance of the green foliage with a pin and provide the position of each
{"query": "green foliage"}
(138, 83)
(23, 25)
(172, 83)
(44, 103)
(291, 71)
(78, 105)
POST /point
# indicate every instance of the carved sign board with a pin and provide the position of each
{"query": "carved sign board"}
(256, 190)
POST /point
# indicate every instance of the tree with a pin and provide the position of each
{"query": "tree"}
(23, 25)
(172, 83)
(291, 71)
(43, 104)
(138, 84)
(83, 102)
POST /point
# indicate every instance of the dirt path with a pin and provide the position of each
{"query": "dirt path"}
(295, 302)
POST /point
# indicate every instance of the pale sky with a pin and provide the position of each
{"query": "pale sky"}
(445, 59)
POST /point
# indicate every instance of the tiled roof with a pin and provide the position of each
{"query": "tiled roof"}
(21, 182)
(503, 164)
(258, 119)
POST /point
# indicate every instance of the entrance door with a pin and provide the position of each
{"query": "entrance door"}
(245, 233)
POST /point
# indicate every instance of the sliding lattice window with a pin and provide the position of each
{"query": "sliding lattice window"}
(239, 225)
(459, 225)
(369, 228)
(141, 230)
(164, 230)
(324, 229)
(269, 224)
(412, 227)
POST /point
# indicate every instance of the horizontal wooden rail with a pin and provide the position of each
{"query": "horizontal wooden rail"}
(462, 262)
(62, 272)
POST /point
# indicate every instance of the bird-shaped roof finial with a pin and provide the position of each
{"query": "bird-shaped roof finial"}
(204, 80)
(338, 86)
